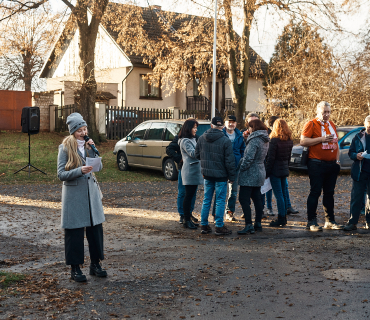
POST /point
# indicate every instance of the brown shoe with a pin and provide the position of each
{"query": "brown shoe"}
(223, 231)
(205, 229)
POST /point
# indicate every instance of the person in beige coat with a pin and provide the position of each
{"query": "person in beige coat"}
(82, 207)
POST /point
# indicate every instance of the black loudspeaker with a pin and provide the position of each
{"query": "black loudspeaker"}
(30, 120)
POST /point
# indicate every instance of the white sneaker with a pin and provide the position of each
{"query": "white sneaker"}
(270, 212)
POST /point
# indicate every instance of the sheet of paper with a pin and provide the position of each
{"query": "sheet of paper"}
(94, 162)
(365, 155)
(266, 187)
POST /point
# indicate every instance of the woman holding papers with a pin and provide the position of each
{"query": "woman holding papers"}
(81, 201)
(277, 167)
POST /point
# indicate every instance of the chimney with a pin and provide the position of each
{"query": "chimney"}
(156, 7)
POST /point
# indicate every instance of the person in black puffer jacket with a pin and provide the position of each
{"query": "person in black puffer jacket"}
(277, 167)
(217, 160)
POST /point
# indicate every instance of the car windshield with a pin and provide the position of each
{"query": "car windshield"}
(341, 134)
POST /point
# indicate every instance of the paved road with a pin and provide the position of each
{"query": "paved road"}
(158, 270)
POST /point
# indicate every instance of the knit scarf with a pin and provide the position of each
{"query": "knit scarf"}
(326, 128)
(81, 146)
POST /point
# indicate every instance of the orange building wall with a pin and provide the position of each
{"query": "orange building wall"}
(11, 105)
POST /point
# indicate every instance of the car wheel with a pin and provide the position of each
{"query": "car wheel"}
(170, 170)
(122, 161)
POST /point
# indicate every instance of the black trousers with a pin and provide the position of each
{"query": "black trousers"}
(245, 195)
(74, 244)
(189, 194)
(323, 176)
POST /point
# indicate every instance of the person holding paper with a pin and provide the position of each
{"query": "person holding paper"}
(82, 207)
(252, 174)
(323, 165)
(277, 167)
(359, 152)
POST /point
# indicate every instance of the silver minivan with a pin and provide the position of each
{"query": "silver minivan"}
(145, 146)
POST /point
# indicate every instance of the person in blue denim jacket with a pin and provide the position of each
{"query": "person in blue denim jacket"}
(360, 174)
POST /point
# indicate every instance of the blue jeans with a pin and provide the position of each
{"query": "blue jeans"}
(280, 192)
(220, 188)
(357, 197)
(233, 193)
(181, 196)
(268, 198)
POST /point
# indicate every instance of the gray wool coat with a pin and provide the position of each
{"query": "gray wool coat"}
(190, 172)
(252, 168)
(80, 194)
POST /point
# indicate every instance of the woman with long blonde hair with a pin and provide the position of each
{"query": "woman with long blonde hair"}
(81, 201)
(277, 167)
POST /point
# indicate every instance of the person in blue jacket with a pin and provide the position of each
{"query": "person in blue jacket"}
(237, 139)
(360, 174)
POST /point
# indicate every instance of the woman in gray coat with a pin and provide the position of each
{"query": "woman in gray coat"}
(81, 201)
(252, 174)
(190, 172)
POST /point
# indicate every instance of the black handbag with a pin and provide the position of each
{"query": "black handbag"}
(304, 157)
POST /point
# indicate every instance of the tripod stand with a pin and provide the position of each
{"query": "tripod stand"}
(29, 165)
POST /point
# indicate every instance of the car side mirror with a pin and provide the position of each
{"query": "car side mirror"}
(128, 138)
(345, 143)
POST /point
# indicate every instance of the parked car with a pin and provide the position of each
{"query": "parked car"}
(345, 136)
(145, 146)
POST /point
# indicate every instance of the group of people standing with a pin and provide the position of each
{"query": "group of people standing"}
(224, 157)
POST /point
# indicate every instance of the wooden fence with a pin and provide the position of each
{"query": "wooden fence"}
(61, 114)
(121, 121)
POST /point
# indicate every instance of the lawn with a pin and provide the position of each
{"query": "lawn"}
(44, 154)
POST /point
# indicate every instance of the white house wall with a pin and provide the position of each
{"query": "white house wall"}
(107, 56)
(132, 98)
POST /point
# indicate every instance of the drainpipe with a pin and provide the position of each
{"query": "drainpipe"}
(132, 67)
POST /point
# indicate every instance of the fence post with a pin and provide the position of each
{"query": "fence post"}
(52, 118)
(175, 112)
(100, 117)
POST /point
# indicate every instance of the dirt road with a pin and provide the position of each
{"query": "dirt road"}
(158, 270)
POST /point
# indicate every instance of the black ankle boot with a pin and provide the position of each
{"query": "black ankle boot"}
(96, 270)
(258, 226)
(280, 222)
(76, 274)
(248, 229)
(190, 225)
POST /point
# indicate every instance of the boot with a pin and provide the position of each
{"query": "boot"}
(189, 225)
(96, 270)
(258, 226)
(248, 229)
(280, 222)
(76, 274)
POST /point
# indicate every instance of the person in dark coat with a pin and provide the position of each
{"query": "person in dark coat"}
(277, 167)
(191, 175)
(216, 155)
(360, 174)
(252, 174)
(174, 152)
(82, 207)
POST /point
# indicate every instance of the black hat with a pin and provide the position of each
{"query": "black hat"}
(217, 121)
(231, 118)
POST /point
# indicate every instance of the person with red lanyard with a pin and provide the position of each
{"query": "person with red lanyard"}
(321, 137)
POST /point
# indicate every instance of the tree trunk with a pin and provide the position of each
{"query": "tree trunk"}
(27, 77)
(239, 90)
(86, 95)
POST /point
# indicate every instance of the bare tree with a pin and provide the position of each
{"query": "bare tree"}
(25, 39)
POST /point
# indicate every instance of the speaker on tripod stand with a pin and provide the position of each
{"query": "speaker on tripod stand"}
(30, 121)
